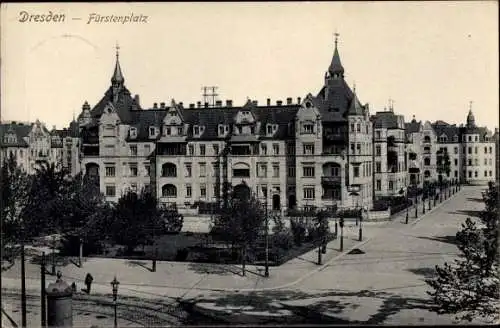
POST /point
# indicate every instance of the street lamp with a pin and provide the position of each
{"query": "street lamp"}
(361, 224)
(416, 201)
(53, 255)
(407, 207)
(114, 285)
(341, 223)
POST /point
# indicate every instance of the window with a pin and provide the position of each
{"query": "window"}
(352, 127)
(111, 190)
(469, 150)
(179, 131)
(308, 148)
(491, 149)
(190, 150)
(378, 151)
(110, 171)
(276, 149)
(203, 169)
(169, 170)
(379, 185)
(152, 132)
(308, 171)
(485, 173)
(263, 149)
(476, 162)
(358, 148)
(215, 169)
(133, 150)
(470, 138)
(276, 170)
(456, 173)
(189, 191)
(358, 127)
(188, 170)
(221, 130)
(485, 161)
(377, 135)
(269, 129)
(147, 150)
(378, 167)
(486, 150)
(475, 150)
(147, 167)
(291, 171)
(262, 171)
(491, 174)
(196, 130)
(470, 174)
(456, 161)
(470, 162)
(169, 190)
(216, 149)
(308, 192)
(456, 150)
(133, 187)
(168, 131)
(290, 149)
(356, 171)
(133, 169)
(352, 148)
(203, 191)
(241, 173)
(308, 128)
(391, 185)
(202, 150)
(475, 174)
(490, 161)
(476, 138)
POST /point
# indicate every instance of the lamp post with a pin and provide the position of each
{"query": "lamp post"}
(424, 194)
(53, 255)
(429, 197)
(416, 201)
(341, 223)
(23, 282)
(360, 224)
(42, 293)
(114, 285)
(407, 207)
(266, 231)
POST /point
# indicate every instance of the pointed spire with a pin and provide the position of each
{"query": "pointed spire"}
(336, 67)
(471, 121)
(117, 74)
(355, 108)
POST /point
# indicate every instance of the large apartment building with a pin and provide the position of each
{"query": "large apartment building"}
(312, 152)
(470, 149)
(32, 144)
(390, 173)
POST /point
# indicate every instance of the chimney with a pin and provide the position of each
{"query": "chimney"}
(136, 98)
(218, 103)
(298, 100)
(155, 106)
(162, 105)
(268, 101)
(181, 104)
(229, 103)
(53, 127)
(191, 106)
(288, 101)
(206, 105)
(279, 102)
(255, 102)
(198, 104)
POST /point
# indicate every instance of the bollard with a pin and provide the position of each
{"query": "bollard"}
(59, 303)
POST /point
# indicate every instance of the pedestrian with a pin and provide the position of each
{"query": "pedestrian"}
(88, 281)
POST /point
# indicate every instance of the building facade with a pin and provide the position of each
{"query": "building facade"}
(312, 152)
(32, 144)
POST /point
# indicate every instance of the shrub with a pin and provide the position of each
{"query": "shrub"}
(182, 254)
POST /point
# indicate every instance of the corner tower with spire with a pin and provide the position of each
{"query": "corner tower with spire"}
(117, 80)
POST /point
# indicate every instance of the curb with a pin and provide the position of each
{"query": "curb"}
(435, 207)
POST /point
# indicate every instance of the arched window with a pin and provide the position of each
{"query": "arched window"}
(168, 170)
(427, 139)
(427, 174)
(427, 161)
(169, 190)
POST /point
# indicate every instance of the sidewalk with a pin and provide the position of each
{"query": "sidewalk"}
(178, 279)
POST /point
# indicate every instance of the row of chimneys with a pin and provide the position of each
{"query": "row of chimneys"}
(229, 103)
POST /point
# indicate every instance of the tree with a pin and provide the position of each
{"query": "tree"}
(14, 187)
(240, 222)
(136, 219)
(470, 287)
(46, 208)
(443, 164)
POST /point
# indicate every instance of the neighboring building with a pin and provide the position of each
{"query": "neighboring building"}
(314, 152)
(415, 151)
(390, 172)
(32, 144)
(496, 138)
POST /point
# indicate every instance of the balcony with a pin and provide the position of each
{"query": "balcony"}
(331, 180)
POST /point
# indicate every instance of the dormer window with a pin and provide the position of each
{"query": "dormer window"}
(173, 113)
(196, 130)
(221, 130)
(455, 138)
(168, 131)
(133, 133)
(152, 132)
(271, 129)
(179, 131)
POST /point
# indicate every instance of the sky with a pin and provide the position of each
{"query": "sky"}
(430, 58)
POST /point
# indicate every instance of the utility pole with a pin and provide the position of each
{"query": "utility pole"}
(209, 95)
(42, 293)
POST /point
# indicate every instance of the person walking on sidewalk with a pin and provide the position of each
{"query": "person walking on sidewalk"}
(88, 282)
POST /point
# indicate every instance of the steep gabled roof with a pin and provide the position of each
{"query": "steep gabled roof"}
(385, 120)
(20, 130)
(333, 101)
